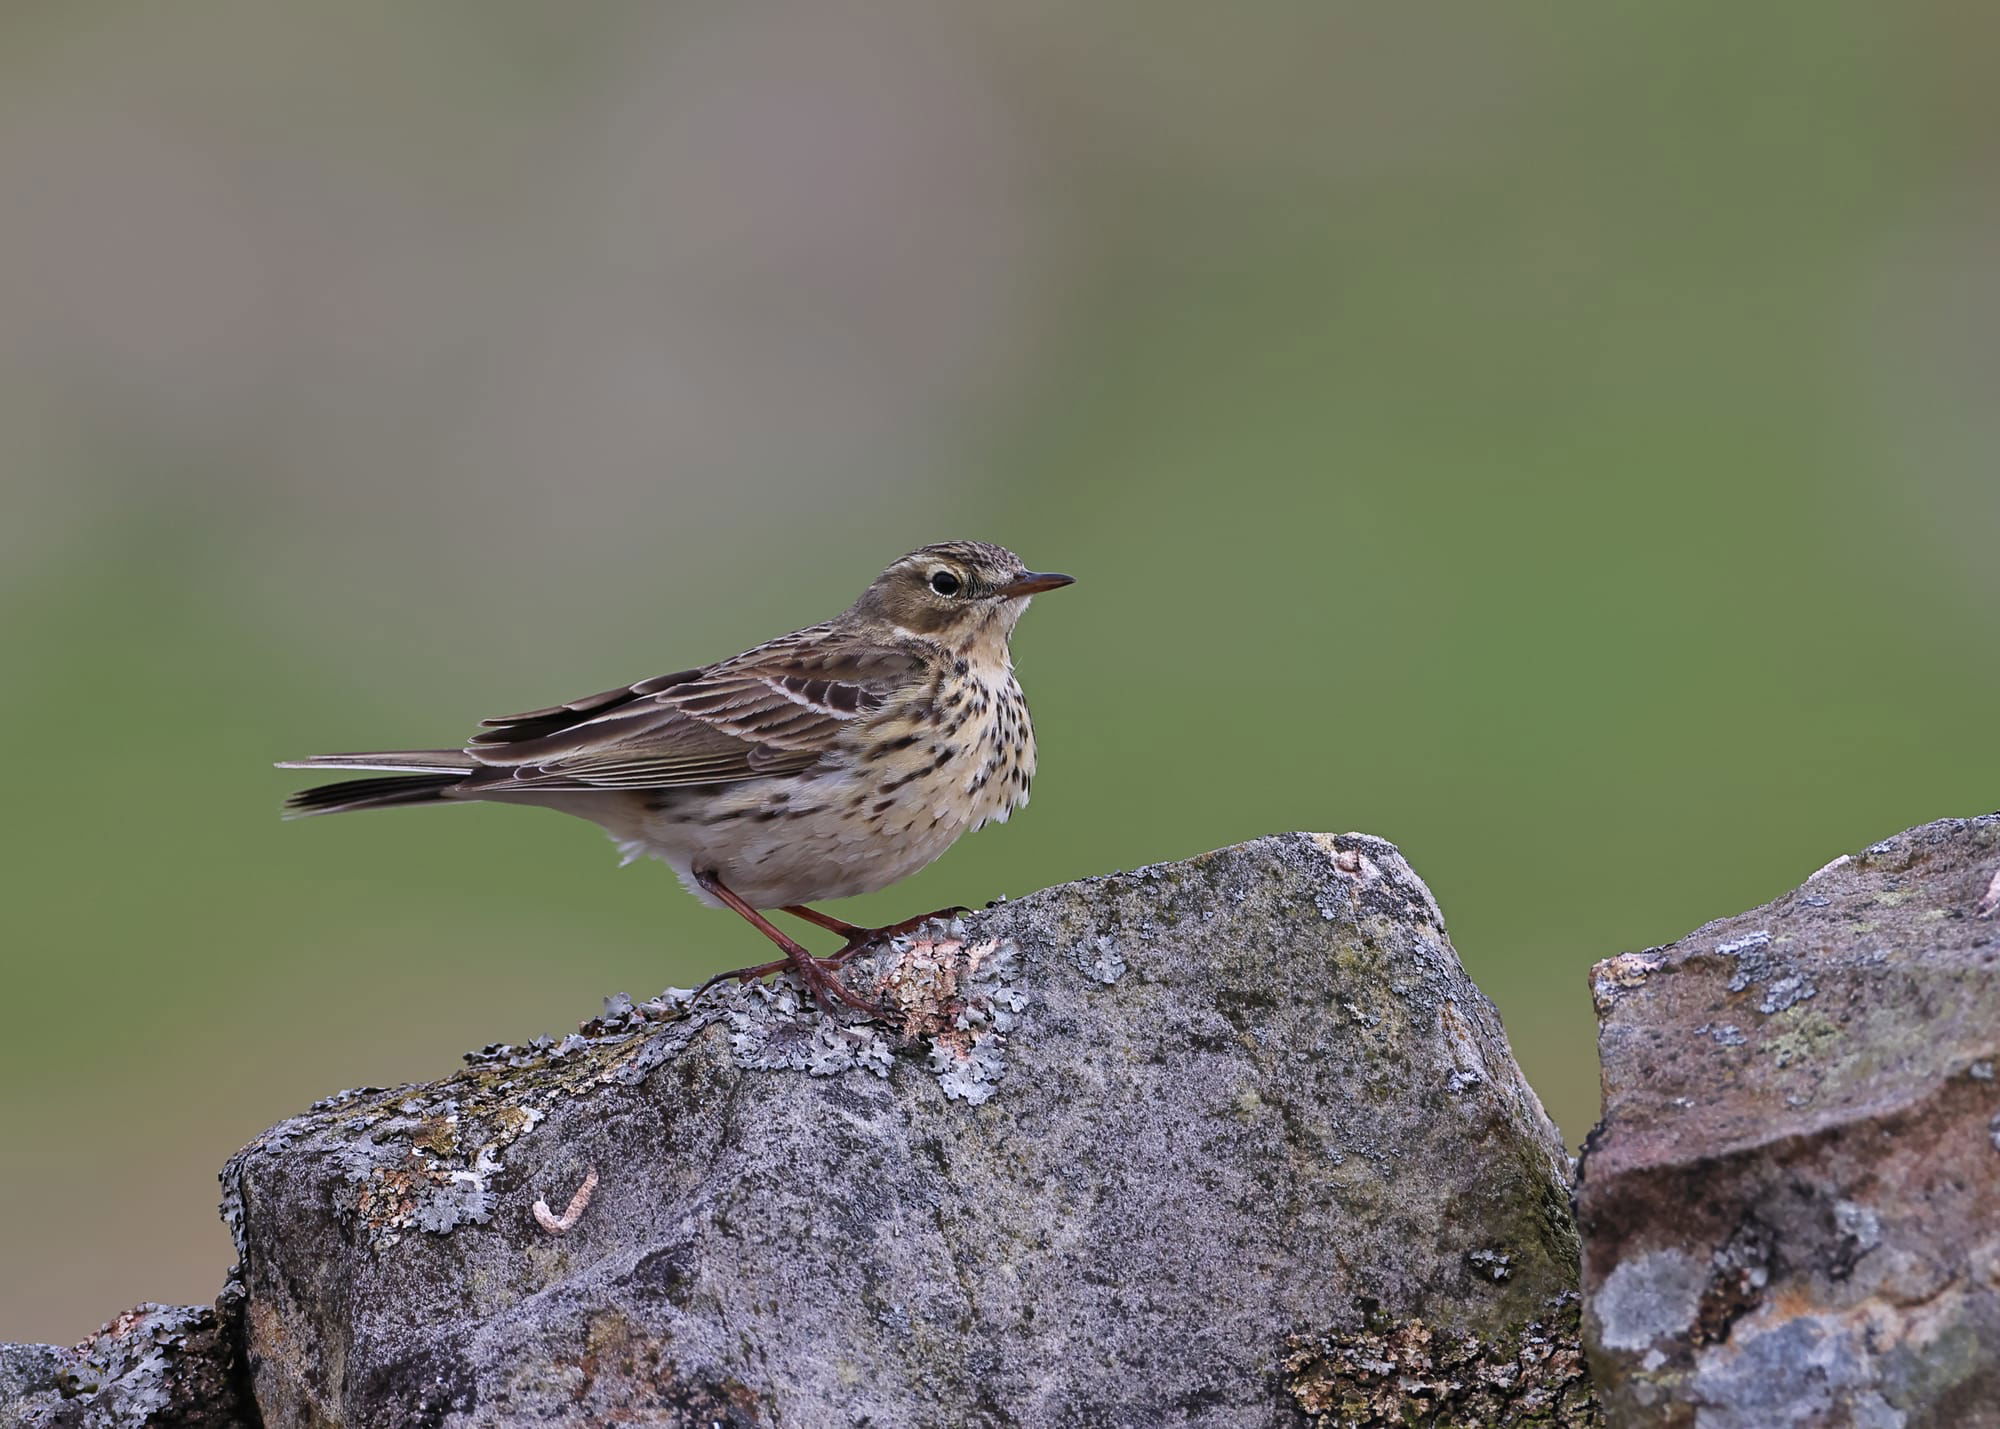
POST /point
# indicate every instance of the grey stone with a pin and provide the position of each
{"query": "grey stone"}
(156, 1366)
(1228, 1142)
(1647, 1297)
(1798, 1223)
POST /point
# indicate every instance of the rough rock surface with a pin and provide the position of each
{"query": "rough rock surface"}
(1791, 1212)
(1228, 1142)
(155, 1365)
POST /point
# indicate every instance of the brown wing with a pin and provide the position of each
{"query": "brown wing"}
(770, 710)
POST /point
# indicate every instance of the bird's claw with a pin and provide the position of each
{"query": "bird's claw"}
(821, 975)
(822, 982)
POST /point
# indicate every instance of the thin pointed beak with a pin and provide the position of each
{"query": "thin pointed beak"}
(1034, 583)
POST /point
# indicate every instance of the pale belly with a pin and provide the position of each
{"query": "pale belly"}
(851, 827)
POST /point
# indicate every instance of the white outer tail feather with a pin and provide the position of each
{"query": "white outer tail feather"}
(418, 761)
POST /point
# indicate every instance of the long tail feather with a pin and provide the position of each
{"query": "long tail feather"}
(388, 793)
(407, 761)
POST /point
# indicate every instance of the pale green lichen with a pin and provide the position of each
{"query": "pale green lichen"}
(1805, 1035)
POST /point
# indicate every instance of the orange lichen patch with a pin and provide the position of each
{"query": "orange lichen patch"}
(438, 1135)
(924, 984)
(953, 992)
(1621, 974)
(389, 1198)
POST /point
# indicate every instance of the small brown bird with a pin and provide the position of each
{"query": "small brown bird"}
(826, 763)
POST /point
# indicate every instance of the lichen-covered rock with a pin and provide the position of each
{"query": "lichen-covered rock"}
(1408, 1372)
(1174, 1147)
(154, 1367)
(1791, 1212)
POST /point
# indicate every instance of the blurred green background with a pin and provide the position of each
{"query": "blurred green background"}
(1559, 439)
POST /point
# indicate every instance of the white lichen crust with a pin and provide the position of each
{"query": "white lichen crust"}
(941, 989)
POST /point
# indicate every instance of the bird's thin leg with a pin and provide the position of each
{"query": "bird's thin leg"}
(821, 983)
(823, 920)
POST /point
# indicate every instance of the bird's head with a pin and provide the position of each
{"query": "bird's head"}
(959, 593)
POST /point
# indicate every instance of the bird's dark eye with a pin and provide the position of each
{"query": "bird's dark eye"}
(944, 583)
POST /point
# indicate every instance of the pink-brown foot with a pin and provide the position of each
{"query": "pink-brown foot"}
(824, 983)
(818, 974)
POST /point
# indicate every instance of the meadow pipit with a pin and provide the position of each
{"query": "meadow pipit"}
(822, 764)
